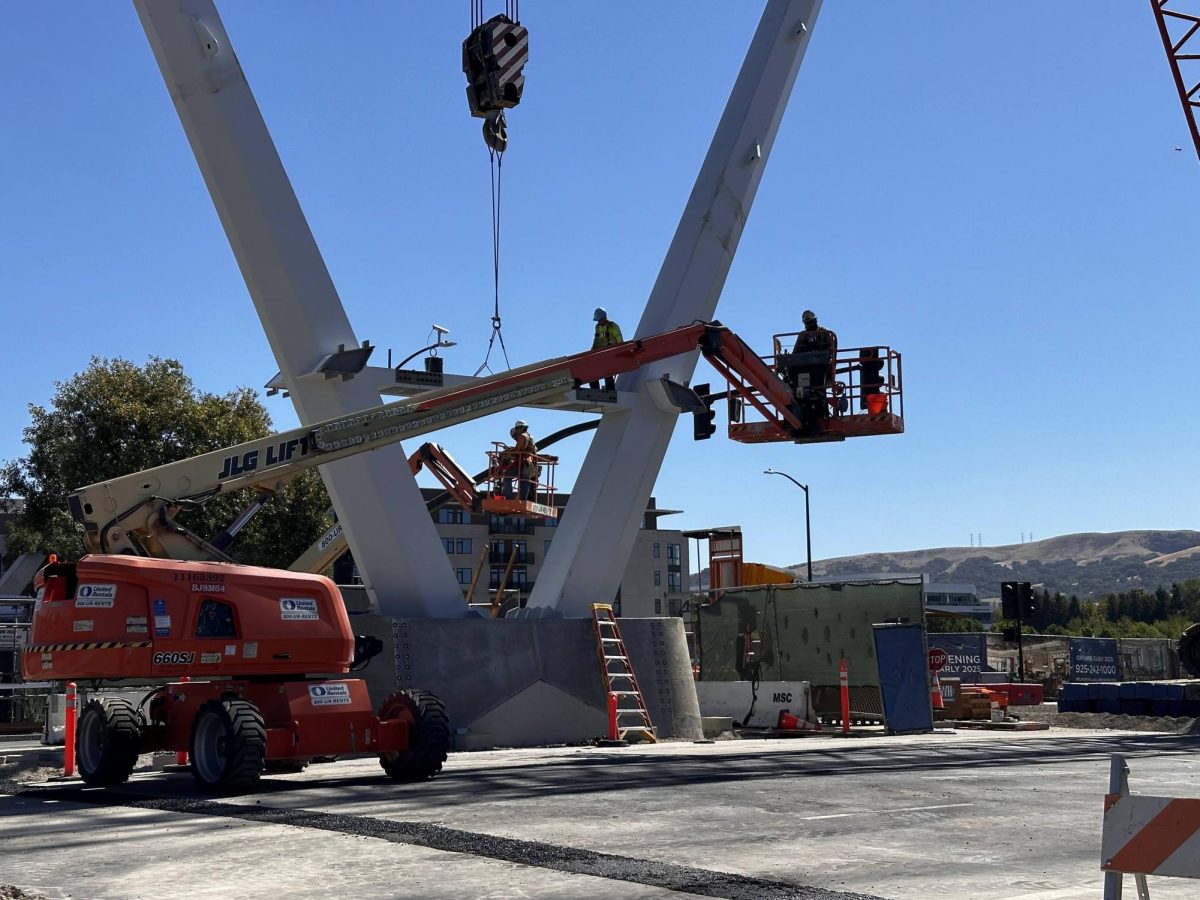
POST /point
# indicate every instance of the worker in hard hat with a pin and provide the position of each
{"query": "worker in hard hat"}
(814, 337)
(525, 465)
(811, 367)
(607, 334)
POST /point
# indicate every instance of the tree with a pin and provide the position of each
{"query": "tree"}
(952, 624)
(115, 418)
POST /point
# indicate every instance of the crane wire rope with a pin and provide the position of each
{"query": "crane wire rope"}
(496, 168)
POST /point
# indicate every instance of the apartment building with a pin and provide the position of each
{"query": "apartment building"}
(483, 547)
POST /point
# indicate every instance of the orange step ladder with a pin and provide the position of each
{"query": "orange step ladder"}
(633, 719)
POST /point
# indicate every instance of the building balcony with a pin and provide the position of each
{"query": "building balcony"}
(500, 558)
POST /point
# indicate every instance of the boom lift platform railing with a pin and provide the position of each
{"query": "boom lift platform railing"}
(860, 394)
(134, 514)
(518, 483)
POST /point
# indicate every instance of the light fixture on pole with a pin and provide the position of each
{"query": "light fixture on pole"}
(807, 522)
(440, 342)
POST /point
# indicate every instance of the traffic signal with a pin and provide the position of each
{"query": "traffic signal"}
(1025, 600)
(1016, 600)
(735, 407)
(1008, 600)
(704, 423)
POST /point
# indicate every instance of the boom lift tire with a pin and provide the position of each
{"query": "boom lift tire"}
(107, 742)
(430, 736)
(229, 742)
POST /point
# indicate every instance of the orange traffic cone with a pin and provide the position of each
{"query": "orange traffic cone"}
(935, 692)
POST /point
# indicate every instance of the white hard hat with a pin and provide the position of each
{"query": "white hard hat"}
(600, 313)
(520, 423)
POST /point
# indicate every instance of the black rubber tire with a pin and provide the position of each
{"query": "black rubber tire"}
(430, 736)
(284, 766)
(1189, 651)
(108, 739)
(229, 742)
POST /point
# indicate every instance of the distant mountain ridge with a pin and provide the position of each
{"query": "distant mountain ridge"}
(1089, 565)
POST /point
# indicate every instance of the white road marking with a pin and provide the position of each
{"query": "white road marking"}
(877, 812)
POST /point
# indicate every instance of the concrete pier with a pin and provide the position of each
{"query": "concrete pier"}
(530, 682)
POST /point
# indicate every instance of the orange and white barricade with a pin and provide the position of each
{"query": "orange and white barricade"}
(1146, 835)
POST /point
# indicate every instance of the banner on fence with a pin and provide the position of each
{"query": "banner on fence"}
(1095, 659)
(966, 655)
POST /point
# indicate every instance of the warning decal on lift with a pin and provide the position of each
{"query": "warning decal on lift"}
(95, 596)
(294, 609)
(332, 694)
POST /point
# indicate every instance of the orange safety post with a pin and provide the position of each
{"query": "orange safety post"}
(844, 680)
(613, 734)
(181, 756)
(69, 748)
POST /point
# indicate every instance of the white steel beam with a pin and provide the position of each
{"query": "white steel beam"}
(592, 545)
(376, 498)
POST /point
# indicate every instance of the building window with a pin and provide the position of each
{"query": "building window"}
(450, 515)
(657, 578)
(658, 606)
(545, 546)
(675, 606)
(457, 545)
(550, 522)
(674, 582)
(517, 578)
(673, 553)
(657, 551)
(463, 575)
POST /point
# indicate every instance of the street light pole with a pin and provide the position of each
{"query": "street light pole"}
(807, 522)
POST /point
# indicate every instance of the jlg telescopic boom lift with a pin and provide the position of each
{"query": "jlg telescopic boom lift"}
(253, 662)
(250, 641)
(780, 396)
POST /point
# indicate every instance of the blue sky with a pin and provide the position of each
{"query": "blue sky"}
(990, 188)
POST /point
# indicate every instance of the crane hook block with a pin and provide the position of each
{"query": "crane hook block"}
(495, 131)
(494, 56)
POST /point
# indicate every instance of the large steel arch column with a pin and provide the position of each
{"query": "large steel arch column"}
(377, 500)
(592, 545)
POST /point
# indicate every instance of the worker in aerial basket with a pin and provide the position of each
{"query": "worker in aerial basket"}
(524, 460)
(811, 368)
(607, 334)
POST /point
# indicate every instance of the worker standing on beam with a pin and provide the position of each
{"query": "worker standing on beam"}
(607, 334)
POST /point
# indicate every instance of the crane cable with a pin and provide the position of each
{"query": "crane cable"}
(496, 165)
(496, 168)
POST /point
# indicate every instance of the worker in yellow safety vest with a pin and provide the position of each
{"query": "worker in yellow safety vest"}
(607, 334)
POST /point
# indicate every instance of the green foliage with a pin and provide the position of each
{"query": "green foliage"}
(115, 418)
(952, 624)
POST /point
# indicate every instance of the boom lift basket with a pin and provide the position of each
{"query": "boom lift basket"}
(520, 483)
(859, 394)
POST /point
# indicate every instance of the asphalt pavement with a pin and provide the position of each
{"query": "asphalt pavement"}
(972, 815)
